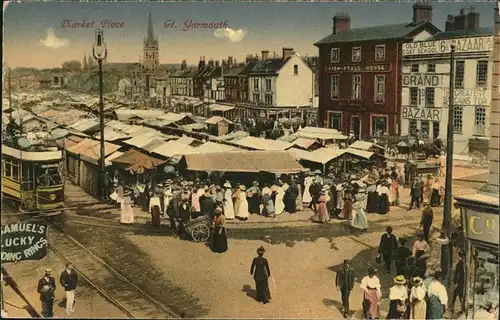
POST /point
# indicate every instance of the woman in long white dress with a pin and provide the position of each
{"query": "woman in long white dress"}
(127, 212)
(243, 205)
(306, 197)
(279, 204)
(359, 220)
(228, 202)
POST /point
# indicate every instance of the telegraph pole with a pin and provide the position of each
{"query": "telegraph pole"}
(100, 52)
(448, 200)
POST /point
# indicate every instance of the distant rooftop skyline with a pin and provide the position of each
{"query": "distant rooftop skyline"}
(39, 34)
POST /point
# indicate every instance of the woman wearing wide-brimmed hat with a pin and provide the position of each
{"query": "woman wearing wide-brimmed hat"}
(242, 212)
(398, 294)
(127, 212)
(261, 273)
(347, 207)
(417, 299)
(228, 201)
(322, 215)
(359, 221)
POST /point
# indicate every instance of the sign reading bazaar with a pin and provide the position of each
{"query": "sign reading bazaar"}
(462, 45)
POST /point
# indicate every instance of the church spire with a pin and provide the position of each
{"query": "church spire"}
(150, 35)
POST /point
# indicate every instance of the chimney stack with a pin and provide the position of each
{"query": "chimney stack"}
(249, 58)
(217, 63)
(201, 64)
(460, 21)
(183, 65)
(211, 63)
(422, 12)
(472, 19)
(287, 53)
(341, 22)
(230, 62)
(450, 22)
(265, 55)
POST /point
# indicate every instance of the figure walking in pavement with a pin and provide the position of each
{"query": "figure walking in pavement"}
(344, 280)
(261, 273)
(69, 281)
(372, 293)
(46, 289)
(426, 220)
(387, 247)
(415, 194)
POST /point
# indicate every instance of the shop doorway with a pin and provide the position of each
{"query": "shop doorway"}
(335, 120)
(435, 129)
(356, 126)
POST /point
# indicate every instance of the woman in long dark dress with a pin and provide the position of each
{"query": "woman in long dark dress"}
(383, 199)
(372, 197)
(219, 237)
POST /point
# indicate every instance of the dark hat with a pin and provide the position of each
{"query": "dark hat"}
(372, 270)
(346, 261)
(261, 249)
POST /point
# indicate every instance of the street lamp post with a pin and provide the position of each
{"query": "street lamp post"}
(100, 53)
(449, 165)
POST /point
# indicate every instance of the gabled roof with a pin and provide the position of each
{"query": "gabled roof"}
(488, 31)
(220, 107)
(268, 67)
(233, 72)
(385, 32)
(217, 119)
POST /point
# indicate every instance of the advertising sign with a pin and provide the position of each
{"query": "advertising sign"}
(415, 113)
(462, 45)
(24, 241)
(467, 97)
(482, 226)
(359, 68)
(421, 80)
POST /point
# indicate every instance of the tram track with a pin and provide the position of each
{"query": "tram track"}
(111, 284)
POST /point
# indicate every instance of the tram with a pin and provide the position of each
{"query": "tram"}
(32, 180)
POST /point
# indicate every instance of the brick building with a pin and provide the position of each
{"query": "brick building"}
(360, 73)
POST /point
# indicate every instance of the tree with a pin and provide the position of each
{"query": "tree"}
(73, 65)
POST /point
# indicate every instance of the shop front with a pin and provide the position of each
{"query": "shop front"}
(480, 221)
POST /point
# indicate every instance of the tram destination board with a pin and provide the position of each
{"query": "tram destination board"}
(24, 241)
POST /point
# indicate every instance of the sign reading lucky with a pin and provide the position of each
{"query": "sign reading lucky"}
(24, 241)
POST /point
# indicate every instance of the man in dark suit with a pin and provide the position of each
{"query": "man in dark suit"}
(402, 253)
(387, 247)
(345, 282)
(415, 194)
(261, 273)
(459, 281)
(69, 281)
(46, 289)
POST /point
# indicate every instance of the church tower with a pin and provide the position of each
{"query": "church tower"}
(150, 57)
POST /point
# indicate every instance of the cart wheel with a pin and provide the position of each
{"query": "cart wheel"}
(200, 233)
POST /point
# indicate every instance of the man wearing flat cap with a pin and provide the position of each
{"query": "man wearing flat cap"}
(46, 289)
(261, 273)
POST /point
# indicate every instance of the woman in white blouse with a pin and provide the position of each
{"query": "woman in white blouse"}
(417, 299)
(371, 294)
(398, 294)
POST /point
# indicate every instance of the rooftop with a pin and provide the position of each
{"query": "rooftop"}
(271, 66)
(385, 32)
(462, 33)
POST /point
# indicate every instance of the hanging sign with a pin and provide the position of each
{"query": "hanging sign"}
(462, 45)
(24, 241)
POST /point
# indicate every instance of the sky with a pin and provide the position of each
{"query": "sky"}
(34, 35)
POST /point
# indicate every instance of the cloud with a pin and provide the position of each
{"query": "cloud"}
(52, 41)
(232, 35)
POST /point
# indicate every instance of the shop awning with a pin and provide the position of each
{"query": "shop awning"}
(137, 161)
(243, 161)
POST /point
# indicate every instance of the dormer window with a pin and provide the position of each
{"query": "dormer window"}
(356, 54)
(380, 53)
(335, 55)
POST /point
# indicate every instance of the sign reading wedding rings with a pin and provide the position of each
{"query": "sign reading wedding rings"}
(462, 45)
(482, 226)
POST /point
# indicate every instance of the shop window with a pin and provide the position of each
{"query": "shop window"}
(413, 96)
(335, 55)
(334, 86)
(481, 73)
(414, 67)
(457, 119)
(459, 74)
(379, 125)
(413, 127)
(425, 128)
(485, 281)
(431, 68)
(429, 97)
(480, 123)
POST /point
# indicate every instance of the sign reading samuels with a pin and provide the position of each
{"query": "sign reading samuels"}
(24, 241)
(358, 68)
(475, 44)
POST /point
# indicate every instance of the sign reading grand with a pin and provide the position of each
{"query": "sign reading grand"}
(415, 113)
(467, 97)
(463, 45)
(24, 241)
(421, 80)
(482, 226)
(358, 68)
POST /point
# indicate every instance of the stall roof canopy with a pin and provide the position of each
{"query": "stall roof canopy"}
(91, 148)
(304, 143)
(138, 160)
(173, 148)
(220, 107)
(364, 145)
(211, 147)
(322, 155)
(244, 161)
(320, 133)
(111, 134)
(262, 144)
(84, 125)
(217, 119)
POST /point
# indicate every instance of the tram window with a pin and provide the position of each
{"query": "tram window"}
(15, 171)
(47, 177)
(11, 169)
(27, 176)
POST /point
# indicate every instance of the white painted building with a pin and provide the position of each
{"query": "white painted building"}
(425, 86)
(281, 82)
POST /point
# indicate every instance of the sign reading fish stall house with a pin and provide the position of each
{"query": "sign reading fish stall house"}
(24, 241)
